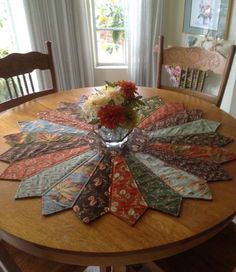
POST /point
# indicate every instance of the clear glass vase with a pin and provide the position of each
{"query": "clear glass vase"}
(113, 138)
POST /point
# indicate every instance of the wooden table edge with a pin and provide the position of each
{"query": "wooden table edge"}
(109, 259)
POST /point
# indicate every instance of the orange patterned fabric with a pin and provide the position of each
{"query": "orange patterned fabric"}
(169, 109)
(28, 167)
(127, 202)
(63, 118)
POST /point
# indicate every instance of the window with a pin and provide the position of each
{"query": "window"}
(109, 28)
(5, 44)
(14, 37)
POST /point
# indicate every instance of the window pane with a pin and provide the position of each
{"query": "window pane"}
(14, 37)
(109, 13)
(111, 46)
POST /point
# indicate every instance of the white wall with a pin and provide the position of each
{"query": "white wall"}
(232, 38)
(110, 74)
(233, 103)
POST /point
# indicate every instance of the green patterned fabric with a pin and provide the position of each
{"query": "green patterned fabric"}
(156, 194)
(199, 126)
(210, 139)
(41, 182)
(64, 194)
(50, 127)
(151, 104)
(185, 184)
(38, 137)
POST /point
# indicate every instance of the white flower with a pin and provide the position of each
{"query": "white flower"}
(116, 96)
(101, 98)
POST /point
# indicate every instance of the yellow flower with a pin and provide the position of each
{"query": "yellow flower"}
(102, 19)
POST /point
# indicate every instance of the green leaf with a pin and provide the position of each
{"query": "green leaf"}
(111, 84)
(140, 102)
(115, 35)
(94, 121)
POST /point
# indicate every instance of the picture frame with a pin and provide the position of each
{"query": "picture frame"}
(207, 17)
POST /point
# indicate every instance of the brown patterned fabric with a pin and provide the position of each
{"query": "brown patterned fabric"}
(24, 151)
(210, 153)
(179, 119)
(93, 201)
(137, 140)
(207, 170)
(211, 139)
(74, 107)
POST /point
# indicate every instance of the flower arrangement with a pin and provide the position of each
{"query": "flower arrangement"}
(175, 72)
(114, 105)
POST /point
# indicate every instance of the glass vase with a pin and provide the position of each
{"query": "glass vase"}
(113, 138)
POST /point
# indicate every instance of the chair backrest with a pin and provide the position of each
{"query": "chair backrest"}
(193, 64)
(16, 79)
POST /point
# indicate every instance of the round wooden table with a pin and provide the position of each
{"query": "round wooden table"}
(109, 241)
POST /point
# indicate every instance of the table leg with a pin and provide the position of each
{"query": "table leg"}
(118, 268)
(105, 269)
(6, 261)
(151, 266)
(113, 268)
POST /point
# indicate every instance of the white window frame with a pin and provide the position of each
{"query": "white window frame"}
(94, 30)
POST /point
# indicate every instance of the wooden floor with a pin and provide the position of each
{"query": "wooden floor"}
(216, 255)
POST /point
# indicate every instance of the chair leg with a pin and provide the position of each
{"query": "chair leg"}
(7, 264)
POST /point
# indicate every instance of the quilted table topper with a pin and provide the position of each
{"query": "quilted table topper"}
(171, 155)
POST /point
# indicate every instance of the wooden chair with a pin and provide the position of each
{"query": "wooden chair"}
(15, 72)
(194, 63)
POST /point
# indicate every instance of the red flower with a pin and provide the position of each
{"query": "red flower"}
(111, 116)
(128, 87)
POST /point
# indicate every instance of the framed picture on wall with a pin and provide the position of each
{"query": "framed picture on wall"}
(210, 17)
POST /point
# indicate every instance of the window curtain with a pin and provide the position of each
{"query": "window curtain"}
(66, 23)
(144, 26)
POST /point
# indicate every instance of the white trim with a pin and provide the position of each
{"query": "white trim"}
(104, 67)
